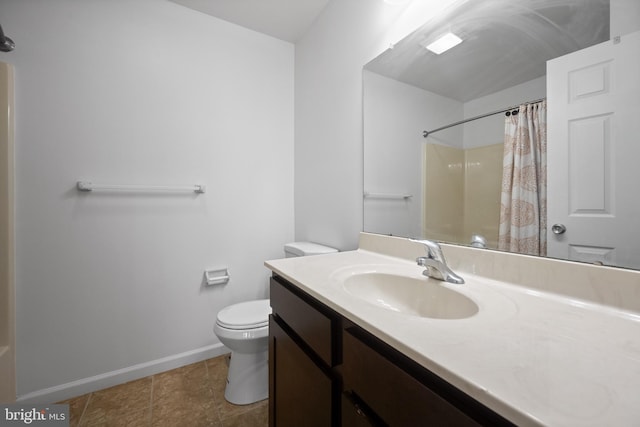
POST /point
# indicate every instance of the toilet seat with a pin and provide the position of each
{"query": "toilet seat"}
(245, 315)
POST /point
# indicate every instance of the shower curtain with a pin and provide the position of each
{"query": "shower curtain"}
(523, 211)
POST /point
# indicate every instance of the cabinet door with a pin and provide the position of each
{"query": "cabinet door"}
(300, 392)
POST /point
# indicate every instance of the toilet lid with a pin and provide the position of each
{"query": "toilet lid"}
(245, 315)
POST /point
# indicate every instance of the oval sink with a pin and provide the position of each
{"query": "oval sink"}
(417, 296)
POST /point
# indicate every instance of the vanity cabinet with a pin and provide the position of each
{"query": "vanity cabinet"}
(326, 371)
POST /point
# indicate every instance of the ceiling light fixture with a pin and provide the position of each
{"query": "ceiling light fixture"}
(444, 43)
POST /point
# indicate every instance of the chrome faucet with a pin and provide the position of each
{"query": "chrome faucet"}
(435, 264)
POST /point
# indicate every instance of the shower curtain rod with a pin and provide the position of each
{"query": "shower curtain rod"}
(426, 133)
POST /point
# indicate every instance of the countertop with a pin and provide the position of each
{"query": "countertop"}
(536, 358)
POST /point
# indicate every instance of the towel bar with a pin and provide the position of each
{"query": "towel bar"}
(89, 186)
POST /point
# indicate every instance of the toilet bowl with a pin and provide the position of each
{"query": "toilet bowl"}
(244, 329)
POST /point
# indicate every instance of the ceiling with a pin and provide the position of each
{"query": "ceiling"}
(500, 37)
(505, 43)
(283, 19)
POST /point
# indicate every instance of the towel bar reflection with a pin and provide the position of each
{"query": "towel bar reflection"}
(89, 186)
(387, 196)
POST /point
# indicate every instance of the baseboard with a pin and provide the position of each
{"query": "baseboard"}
(87, 385)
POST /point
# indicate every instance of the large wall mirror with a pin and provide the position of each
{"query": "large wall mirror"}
(553, 87)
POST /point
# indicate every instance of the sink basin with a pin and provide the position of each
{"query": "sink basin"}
(416, 296)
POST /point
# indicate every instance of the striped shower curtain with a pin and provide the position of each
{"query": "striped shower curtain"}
(523, 211)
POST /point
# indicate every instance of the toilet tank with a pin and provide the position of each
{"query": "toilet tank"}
(306, 248)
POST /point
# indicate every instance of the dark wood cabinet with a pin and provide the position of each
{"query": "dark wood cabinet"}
(326, 371)
(302, 392)
(313, 323)
(397, 397)
(304, 350)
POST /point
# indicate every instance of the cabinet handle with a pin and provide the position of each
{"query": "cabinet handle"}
(364, 414)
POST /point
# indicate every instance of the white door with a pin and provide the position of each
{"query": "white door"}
(593, 126)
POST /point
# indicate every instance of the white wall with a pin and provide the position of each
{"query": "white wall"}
(328, 108)
(625, 17)
(395, 115)
(490, 130)
(109, 286)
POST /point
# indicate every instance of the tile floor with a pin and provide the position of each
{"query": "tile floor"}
(189, 396)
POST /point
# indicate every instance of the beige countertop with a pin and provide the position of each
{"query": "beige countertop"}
(535, 357)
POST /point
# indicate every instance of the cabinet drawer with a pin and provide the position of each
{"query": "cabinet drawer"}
(395, 396)
(311, 322)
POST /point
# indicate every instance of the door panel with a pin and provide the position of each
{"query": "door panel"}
(593, 150)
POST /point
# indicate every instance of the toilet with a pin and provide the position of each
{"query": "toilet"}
(244, 329)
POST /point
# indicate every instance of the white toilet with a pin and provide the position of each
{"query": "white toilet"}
(244, 329)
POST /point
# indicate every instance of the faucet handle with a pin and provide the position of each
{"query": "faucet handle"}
(435, 264)
(434, 251)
